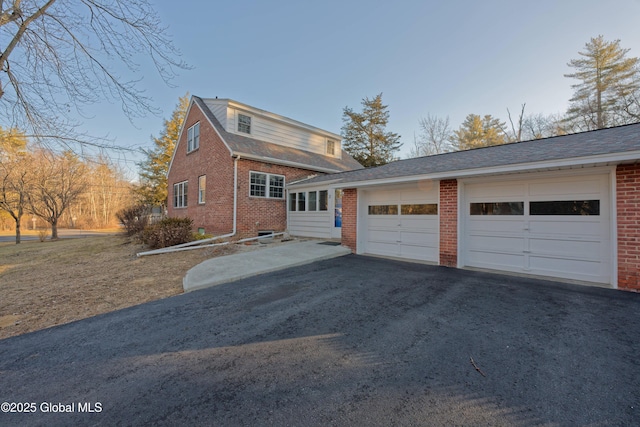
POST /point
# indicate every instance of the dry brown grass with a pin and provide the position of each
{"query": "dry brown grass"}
(51, 283)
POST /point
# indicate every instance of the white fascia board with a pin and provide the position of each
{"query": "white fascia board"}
(284, 162)
(604, 159)
(283, 119)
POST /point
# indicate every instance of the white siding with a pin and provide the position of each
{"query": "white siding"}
(310, 224)
(318, 224)
(266, 129)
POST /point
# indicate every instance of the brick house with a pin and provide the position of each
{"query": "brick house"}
(566, 207)
(232, 162)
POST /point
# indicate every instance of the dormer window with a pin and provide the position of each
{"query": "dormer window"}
(244, 123)
(331, 147)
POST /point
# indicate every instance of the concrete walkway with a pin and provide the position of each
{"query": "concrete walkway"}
(229, 268)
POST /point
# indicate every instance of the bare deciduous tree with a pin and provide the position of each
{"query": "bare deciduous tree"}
(15, 173)
(58, 182)
(59, 55)
(14, 189)
(434, 138)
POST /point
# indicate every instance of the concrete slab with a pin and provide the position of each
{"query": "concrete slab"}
(229, 268)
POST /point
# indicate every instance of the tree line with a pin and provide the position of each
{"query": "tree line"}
(607, 93)
(60, 189)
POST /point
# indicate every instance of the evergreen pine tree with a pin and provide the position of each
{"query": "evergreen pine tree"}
(365, 136)
(154, 169)
(609, 85)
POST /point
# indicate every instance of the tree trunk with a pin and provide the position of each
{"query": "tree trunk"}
(54, 229)
(17, 231)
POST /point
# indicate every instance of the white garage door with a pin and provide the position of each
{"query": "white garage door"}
(556, 227)
(402, 223)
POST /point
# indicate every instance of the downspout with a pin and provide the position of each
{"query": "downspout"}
(235, 193)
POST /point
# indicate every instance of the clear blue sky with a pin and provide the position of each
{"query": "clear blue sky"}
(308, 60)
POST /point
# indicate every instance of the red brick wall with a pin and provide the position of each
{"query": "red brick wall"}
(350, 218)
(628, 209)
(260, 213)
(212, 159)
(449, 223)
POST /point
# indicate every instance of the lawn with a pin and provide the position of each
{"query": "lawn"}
(43, 284)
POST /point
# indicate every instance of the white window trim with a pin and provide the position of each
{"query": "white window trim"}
(193, 141)
(183, 200)
(269, 175)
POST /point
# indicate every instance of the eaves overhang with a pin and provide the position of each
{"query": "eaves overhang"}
(281, 162)
(569, 163)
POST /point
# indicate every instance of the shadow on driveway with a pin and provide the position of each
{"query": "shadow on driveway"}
(348, 341)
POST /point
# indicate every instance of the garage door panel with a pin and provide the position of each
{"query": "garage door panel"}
(383, 235)
(501, 244)
(566, 188)
(406, 236)
(418, 252)
(487, 225)
(382, 248)
(382, 221)
(419, 222)
(545, 242)
(561, 248)
(496, 260)
(567, 268)
(505, 190)
(419, 238)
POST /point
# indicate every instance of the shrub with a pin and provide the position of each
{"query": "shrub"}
(134, 219)
(43, 234)
(168, 232)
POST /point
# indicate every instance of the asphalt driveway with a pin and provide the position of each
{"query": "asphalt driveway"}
(348, 341)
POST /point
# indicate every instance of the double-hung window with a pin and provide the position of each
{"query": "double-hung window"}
(331, 147)
(202, 184)
(180, 191)
(244, 123)
(193, 137)
(266, 185)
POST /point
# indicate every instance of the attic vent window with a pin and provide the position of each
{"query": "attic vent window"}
(331, 147)
(244, 123)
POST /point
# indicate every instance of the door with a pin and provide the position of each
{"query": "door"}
(556, 226)
(402, 222)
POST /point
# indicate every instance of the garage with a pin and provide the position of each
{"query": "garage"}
(556, 226)
(401, 222)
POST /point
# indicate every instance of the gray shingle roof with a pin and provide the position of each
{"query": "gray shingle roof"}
(249, 146)
(579, 146)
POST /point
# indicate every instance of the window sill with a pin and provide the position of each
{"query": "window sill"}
(277, 199)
